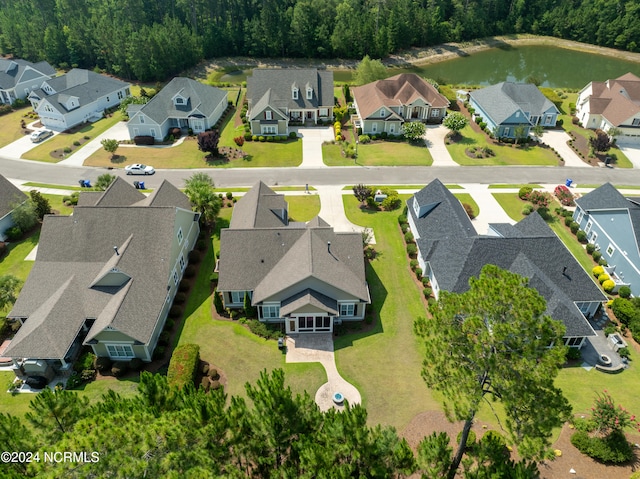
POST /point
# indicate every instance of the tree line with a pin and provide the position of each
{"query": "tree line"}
(150, 40)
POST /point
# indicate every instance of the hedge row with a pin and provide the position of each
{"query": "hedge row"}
(183, 365)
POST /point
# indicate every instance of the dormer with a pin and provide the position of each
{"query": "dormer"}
(47, 88)
(11, 66)
(179, 100)
(309, 92)
(295, 92)
(69, 102)
(422, 210)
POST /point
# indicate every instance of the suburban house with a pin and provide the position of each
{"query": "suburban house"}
(10, 196)
(18, 78)
(104, 277)
(384, 105)
(450, 251)
(277, 97)
(612, 224)
(76, 97)
(183, 103)
(507, 106)
(303, 275)
(612, 104)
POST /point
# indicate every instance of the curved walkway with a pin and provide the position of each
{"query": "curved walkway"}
(434, 139)
(318, 348)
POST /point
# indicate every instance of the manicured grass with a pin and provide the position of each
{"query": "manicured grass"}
(10, 129)
(383, 153)
(57, 205)
(504, 154)
(13, 262)
(619, 187)
(508, 186)
(511, 204)
(92, 130)
(303, 208)
(274, 188)
(187, 155)
(467, 198)
(55, 187)
(408, 187)
(384, 364)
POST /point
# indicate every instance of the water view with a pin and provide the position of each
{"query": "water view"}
(550, 66)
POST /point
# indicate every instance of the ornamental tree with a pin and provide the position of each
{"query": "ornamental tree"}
(362, 192)
(199, 188)
(455, 122)
(601, 142)
(110, 146)
(492, 342)
(610, 418)
(414, 130)
(208, 141)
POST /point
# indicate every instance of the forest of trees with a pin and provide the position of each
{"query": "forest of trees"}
(153, 39)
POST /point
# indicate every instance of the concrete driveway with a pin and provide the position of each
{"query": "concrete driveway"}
(557, 139)
(312, 139)
(631, 152)
(434, 139)
(118, 131)
(19, 147)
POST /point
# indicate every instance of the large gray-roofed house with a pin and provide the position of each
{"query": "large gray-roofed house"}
(305, 276)
(612, 224)
(279, 96)
(19, 77)
(76, 97)
(103, 277)
(508, 105)
(10, 196)
(183, 103)
(450, 252)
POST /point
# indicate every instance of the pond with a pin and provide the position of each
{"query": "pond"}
(551, 66)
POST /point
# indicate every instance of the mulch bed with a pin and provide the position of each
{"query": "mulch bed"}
(60, 154)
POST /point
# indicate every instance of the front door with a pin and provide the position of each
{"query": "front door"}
(309, 115)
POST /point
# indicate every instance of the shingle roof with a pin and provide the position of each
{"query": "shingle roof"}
(603, 198)
(9, 196)
(308, 297)
(502, 100)
(274, 87)
(530, 249)
(202, 100)
(402, 89)
(616, 100)
(260, 207)
(73, 253)
(13, 71)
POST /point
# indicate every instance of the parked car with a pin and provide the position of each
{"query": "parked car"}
(40, 135)
(36, 382)
(139, 169)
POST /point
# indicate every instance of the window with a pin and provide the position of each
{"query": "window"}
(392, 128)
(636, 122)
(435, 112)
(141, 118)
(120, 95)
(593, 237)
(120, 351)
(610, 249)
(268, 115)
(271, 311)
(269, 129)
(573, 341)
(416, 207)
(309, 93)
(505, 132)
(347, 309)
(383, 113)
(374, 127)
(324, 112)
(179, 101)
(237, 297)
(580, 216)
(294, 93)
(588, 227)
(182, 262)
(180, 236)
(176, 278)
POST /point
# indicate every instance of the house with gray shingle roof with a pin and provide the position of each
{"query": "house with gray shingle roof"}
(612, 104)
(183, 103)
(103, 277)
(612, 224)
(10, 196)
(507, 106)
(276, 97)
(306, 276)
(19, 77)
(78, 96)
(450, 252)
(384, 105)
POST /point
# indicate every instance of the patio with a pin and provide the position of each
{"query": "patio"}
(596, 347)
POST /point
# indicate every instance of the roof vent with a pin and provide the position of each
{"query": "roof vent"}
(115, 248)
(329, 246)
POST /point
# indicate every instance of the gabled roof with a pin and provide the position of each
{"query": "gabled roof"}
(14, 71)
(85, 85)
(309, 297)
(260, 207)
(81, 271)
(504, 99)
(402, 89)
(273, 87)
(605, 197)
(10, 195)
(528, 248)
(201, 100)
(616, 100)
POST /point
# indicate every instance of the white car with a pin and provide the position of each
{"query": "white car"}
(38, 136)
(139, 169)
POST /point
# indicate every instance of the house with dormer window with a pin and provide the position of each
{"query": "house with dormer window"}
(104, 277)
(384, 105)
(278, 97)
(508, 107)
(18, 78)
(183, 103)
(10, 197)
(76, 97)
(304, 275)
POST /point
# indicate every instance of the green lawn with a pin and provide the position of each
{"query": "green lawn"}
(10, 129)
(513, 186)
(408, 187)
(56, 204)
(383, 153)
(13, 263)
(303, 208)
(467, 198)
(92, 130)
(511, 204)
(504, 154)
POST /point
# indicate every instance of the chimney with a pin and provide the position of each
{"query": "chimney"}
(115, 248)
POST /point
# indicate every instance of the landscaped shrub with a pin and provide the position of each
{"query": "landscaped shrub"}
(590, 248)
(175, 312)
(625, 311)
(13, 234)
(413, 264)
(574, 227)
(418, 272)
(205, 383)
(213, 373)
(469, 210)
(602, 262)
(471, 438)
(165, 337)
(158, 353)
(596, 255)
(217, 302)
(190, 271)
(85, 361)
(527, 209)
(402, 220)
(613, 449)
(136, 364)
(119, 368)
(581, 236)
(102, 363)
(239, 140)
(143, 140)
(412, 250)
(427, 292)
(169, 324)
(183, 285)
(425, 281)
(391, 202)
(597, 271)
(215, 385)
(608, 286)
(364, 139)
(408, 237)
(183, 365)
(603, 277)
(179, 298)
(568, 220)
(524, 192)
(293, 135)
(261, 329)
(624, 291)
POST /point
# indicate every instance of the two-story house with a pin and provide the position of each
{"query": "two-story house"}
(19, 77)
(303, 275)
(10, 197)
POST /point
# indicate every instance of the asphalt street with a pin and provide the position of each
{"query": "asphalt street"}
(407, 175)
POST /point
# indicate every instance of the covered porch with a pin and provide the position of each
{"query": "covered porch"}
(309, 312)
